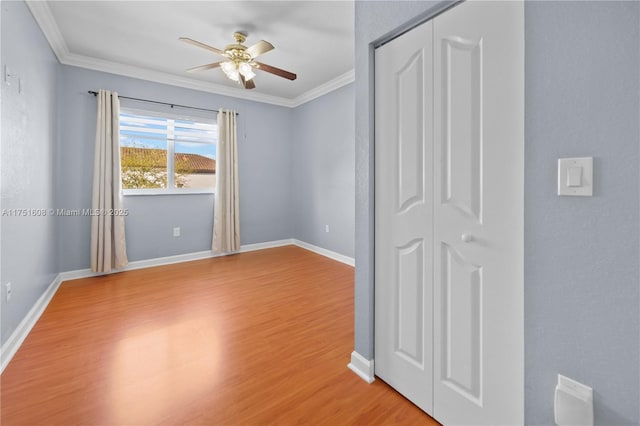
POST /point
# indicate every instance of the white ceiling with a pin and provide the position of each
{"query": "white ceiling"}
(313, 39)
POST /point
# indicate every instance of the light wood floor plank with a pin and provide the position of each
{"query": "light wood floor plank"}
(251, 339)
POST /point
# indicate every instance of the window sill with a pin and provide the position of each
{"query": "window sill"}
(183, 191)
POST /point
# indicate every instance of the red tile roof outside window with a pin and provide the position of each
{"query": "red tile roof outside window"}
(146, 168)
(157, 158)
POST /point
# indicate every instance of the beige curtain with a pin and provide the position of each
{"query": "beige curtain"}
(226, 212)
(108, 249)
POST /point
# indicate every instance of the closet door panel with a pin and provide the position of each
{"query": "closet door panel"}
(478, 214)
(403, 221)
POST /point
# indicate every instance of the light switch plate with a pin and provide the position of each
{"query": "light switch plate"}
(582, 187)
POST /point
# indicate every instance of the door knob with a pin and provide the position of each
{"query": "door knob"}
(466, 238)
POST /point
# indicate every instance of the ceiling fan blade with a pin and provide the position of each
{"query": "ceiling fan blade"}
(205, 67)
(247, 84)
(277, 71)
(259, 48)
(202, 45)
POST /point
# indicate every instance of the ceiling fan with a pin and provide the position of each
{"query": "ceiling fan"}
(240, 60)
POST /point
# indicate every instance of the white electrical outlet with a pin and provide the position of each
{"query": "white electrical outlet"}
(573, 403)
(8, 291)
(326, 228)
(176, 232)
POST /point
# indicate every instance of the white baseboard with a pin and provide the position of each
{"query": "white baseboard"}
(324, 252)
(362, 367)
(141, 264)
(168, 260)
(267, 245)
(13, 343)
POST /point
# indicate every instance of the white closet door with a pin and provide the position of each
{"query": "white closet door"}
(403, 215)
(449, 279)
(479, 213)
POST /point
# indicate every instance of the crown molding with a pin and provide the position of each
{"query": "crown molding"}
(45, 20)
(323, 89)
(170, 79)
(47, 23)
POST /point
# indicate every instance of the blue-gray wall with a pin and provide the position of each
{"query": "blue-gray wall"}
(27, 156)
(323, 159)
(581, 254)
(264, 167)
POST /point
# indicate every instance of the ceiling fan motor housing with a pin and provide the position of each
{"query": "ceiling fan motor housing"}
(237, 52)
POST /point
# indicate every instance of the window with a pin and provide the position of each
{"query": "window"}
(166, 153)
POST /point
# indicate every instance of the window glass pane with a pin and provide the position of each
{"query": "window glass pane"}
(148, 139)
(192, 131)
(142, 166)
(195, 165)
(138, 127)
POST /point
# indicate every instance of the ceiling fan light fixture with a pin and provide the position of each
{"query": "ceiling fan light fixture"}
(246, 71)
(231, 70)
(249, 75)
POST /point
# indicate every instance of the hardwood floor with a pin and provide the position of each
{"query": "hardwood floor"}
(252, 339)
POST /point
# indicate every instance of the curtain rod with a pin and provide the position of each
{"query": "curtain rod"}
(94, 93)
